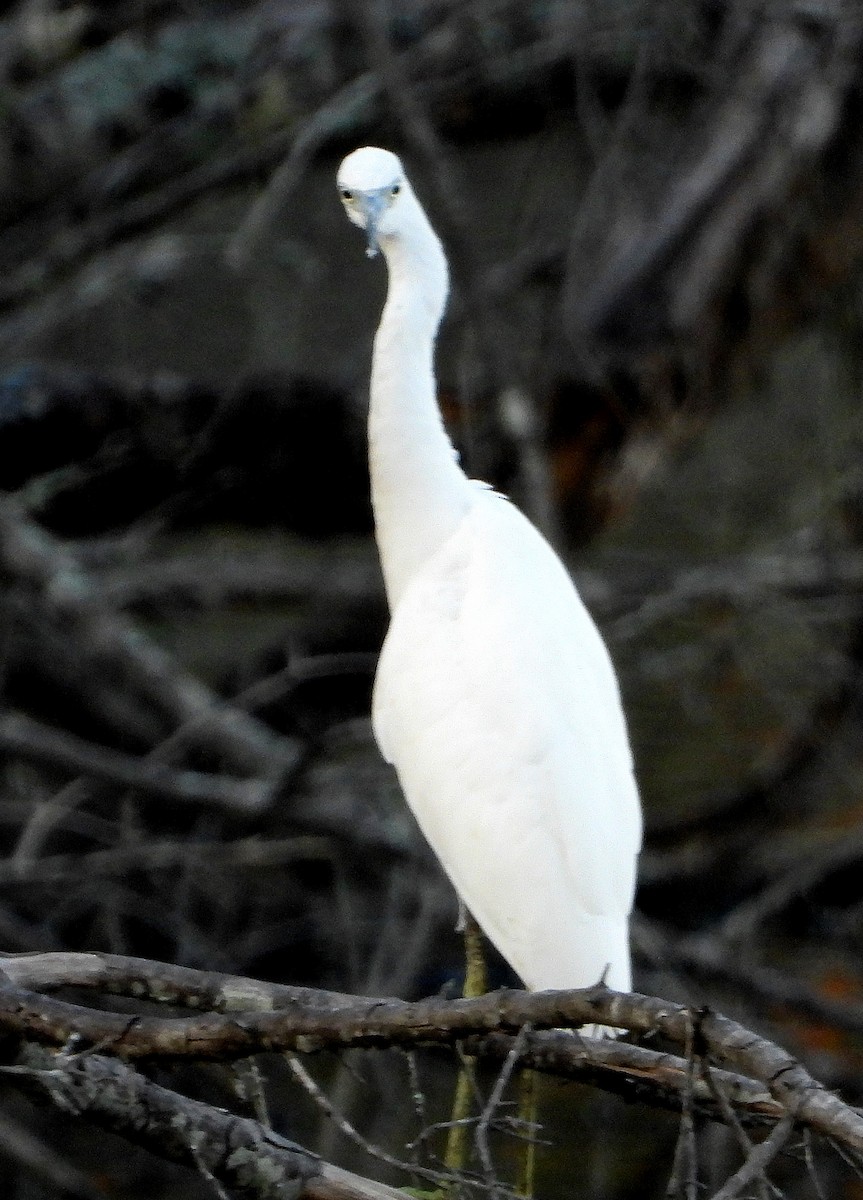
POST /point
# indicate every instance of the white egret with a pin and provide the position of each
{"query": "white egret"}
(495, 697)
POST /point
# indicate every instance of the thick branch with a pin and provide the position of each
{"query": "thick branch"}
(309, 1021)
(237, 1152)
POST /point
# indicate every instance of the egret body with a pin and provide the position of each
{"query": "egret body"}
(495, 697)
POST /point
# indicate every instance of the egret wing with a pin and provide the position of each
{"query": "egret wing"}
(498, 705)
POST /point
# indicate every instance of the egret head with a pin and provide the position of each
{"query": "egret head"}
(374, 190)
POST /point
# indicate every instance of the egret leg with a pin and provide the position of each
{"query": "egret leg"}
(475, 976)
(528, 1107)
(475, 984)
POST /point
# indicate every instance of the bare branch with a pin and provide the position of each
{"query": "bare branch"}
(20, 1145)
(710, 957)
(237, 1152)
(309, 1021)
(684, 1169)
(352, 100)
(776, 120)
(37, 562)
(757, 1161)
(166, 855)
(731, 1119)
(446, 1178)
(26, 738)
(491, 1107)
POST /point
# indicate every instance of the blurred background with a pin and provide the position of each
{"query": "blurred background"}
(654, 217)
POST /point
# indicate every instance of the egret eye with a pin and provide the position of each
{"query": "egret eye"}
(395, 189)
(347, 194)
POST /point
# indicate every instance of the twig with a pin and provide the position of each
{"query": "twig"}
(36, 561)
(249, 1086)
(204, 1170)
(797, 878)
(252, 853)
(683, 1180)
(745, 580)
(852, 1159)
(446, 1178)
(757, 1161)
(72, 244)
(810, 1165)
(350, 101)
(418, 1098)
(708, 957)
(44, 818)
(491, 1106)
(203, 581)
(774, 123)
(26, 738)
(733, 1122)
(20, 1145)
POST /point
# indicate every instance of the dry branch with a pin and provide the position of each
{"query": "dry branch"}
(40, 567)
(630, 600)
(19, 1145)
(237, 1152)
(25, 738)
(251, 1017)
(252, 853)
(757, 1161)
(344, 574)
(757, 144)
(710, 957)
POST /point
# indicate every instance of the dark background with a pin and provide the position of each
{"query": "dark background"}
(654, 216)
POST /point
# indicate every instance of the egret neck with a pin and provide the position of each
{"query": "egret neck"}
(419, 492)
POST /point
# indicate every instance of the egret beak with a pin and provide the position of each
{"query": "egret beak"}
(373, 205)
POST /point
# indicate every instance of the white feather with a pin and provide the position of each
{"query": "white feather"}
(495, 696)
(505, 726)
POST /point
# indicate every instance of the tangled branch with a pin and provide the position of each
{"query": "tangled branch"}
(236, 1017)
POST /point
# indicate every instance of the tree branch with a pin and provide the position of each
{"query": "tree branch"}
(26, 738)
(257, 1017)
(50, 575)
(237, 1152)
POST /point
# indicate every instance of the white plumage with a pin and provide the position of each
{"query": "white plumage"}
(495, 697)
